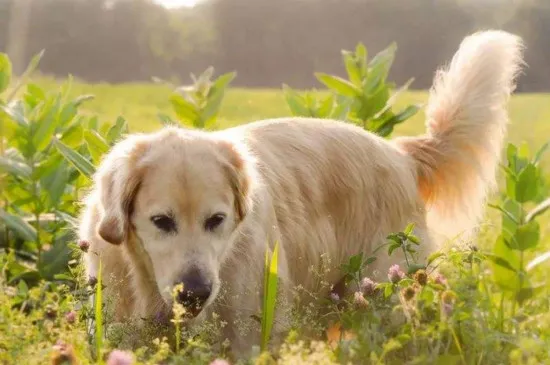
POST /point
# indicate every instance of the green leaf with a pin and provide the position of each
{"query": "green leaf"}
(30, 69)
(527, 184)
(352, 68)
(525, 294)
(5, 72)
(76, 159)
(14, 167)
(381, 63)
(325, 107)
(56, 181)
(22, 228)
(541, 152)
(73, 136)
(215, 97)
(270, 295)
(505, 265)
(434, 256)
(96, 145)
(185, 111)
(117, 131)
(362, 55)
(47, 125)
(527, 236)
(403, 115)
(296, 103)
(338, 84)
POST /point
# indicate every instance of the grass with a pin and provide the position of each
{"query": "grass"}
(463, 319)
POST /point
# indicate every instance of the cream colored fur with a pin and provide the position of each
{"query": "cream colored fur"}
(321, 188)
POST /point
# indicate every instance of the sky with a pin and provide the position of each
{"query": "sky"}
(177, 3)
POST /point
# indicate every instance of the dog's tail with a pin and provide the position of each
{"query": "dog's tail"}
(456, 160)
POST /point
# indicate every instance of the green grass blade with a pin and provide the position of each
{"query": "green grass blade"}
(270, 296)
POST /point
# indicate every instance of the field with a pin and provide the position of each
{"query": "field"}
(480, 325)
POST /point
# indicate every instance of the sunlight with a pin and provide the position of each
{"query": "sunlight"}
(177, 3)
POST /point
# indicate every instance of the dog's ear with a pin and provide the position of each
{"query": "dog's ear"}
(118, 179)
(238, 167)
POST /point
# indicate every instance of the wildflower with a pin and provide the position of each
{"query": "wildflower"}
(219, 362)
(360, 301)
(118, 357)
(368, 286)
(408, 293)
(63, 354)
(421, 277)
(334, 297)
(50, 312)
(84, 245)
(440, 280)
(447, 302)
(395, 274)
(70, 317)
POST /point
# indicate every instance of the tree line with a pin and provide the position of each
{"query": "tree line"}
(267, 42)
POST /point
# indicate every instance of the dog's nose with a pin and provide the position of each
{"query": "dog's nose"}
(195, 293)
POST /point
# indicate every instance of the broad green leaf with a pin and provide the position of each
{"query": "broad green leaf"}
(96, 145)
(529, 292)
(117, 131)
(527, 236)
(56, 183)
(73, 136)
(527, 184)
(434, 256)
(362, 55)
(381, 63)
(295, 102)
(56, 259)
(14, 167)
(76, 159)
(5, 72)
(338, 84)
(93, 123)
(17, 113)
(185, 111)
(67, 114)
(47, 124)
(215, 97)
(403, 115)
(325, 107)
(352, 68)
(23, 229)
(505, 269)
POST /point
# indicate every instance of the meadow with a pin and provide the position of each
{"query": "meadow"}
(490, 303)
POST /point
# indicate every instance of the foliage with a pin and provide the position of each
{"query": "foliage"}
(459, 307)
(198, 105)
(364, 99)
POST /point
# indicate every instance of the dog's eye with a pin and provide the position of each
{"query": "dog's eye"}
(164, 223)
(214, 222)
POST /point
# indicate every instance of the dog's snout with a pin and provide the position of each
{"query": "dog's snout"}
(195, 293)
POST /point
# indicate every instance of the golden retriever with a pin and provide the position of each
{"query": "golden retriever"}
(201, 208)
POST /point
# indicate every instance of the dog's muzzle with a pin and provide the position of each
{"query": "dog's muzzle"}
(196, 291)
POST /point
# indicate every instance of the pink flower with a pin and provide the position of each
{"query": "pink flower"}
(334, 297)
(395, 274)
(70, 317)
(368, 286)
(118, 357)
(440, 279)
(84, 245)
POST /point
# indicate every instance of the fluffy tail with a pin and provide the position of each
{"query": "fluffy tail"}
(466, 126)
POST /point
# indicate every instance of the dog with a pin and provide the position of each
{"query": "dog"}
(197, 208)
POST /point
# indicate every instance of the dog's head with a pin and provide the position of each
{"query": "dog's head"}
(183, 195)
